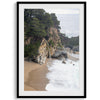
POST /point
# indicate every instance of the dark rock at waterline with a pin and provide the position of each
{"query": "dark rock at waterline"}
(59, 54)
(75, 48)
(64, 62)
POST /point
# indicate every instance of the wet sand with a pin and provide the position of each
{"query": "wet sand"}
(35, 76)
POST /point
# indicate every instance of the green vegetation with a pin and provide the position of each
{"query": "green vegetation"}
(55, 21)
(31, 49)
(37, 23)
(72, 42)
(60, 45)
(51, 43)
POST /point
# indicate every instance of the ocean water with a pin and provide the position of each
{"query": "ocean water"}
(74, 55)
(63, 77)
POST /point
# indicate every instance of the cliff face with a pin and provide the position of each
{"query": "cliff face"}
(54, 40)
(41, 37)
(54, 35)
(48, 47)
(42, 52)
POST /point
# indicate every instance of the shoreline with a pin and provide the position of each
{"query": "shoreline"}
(71, 57)
(35, 76)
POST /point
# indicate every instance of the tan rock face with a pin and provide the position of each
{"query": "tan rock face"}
(43, 52)
(54, 33)
(53, 30)
(52, 51)
(46, 49)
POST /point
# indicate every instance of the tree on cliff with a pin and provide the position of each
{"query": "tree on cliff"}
(37, 23)
(55, 21)
(33, 22)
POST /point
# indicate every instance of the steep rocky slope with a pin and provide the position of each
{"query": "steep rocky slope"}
(47, 47)
(41, 35)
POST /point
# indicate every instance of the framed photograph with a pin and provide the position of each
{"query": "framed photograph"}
(51, 49)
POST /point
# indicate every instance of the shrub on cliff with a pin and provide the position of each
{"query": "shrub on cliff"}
(51, 43)
(69, 42)
(31, 49)
(37, 23)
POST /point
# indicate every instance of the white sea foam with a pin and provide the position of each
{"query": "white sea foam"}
(74, 55)
(63, 76)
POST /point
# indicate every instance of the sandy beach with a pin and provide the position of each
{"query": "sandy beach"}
(35, 76)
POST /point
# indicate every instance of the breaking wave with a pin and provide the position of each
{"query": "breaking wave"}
(63, 76)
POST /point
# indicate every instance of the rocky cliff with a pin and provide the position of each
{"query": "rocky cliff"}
(41, 39)
(48, 47)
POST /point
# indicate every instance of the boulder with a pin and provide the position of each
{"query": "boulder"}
(60, 54)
